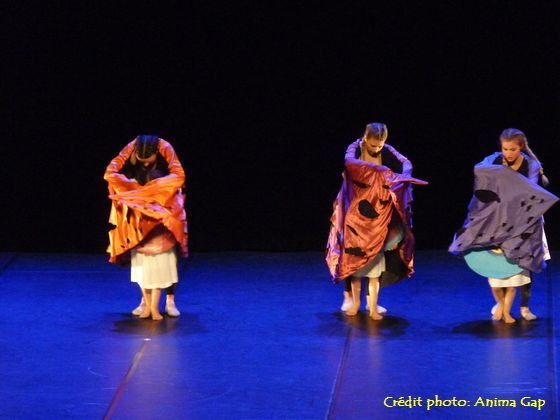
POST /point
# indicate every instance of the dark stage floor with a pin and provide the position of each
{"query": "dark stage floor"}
(261, 337)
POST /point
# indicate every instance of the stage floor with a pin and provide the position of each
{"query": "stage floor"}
(261, 337)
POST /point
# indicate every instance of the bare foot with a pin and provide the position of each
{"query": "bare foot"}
(353, 310)
(498, 313)
(156, 316)
(508, 319)
(375, 316)
(145, 313)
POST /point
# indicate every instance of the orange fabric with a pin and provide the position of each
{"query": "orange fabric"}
(370, 197)
(159, 240)
(137, 209)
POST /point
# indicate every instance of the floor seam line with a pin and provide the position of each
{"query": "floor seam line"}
(339, 376)
(126, 379)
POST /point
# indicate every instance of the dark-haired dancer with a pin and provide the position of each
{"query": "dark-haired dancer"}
(503, 237)
(145, 182)
(370, 232)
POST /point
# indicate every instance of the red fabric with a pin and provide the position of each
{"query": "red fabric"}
(370, 197)
(136, 210)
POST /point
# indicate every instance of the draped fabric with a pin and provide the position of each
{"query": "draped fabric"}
(138, 209)
(371, 199)
(506, 212)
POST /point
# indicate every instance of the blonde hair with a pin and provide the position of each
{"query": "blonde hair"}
(514, 134)
(377, 131)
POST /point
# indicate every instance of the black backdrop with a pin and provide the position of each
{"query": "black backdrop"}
(260, 101)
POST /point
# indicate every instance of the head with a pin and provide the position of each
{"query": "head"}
(374, 138)
(145, 153)
(512, 142)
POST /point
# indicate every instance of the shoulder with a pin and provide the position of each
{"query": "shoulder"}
(390, 148)
(353, 150)
(533, 164)
(131, 145)
(493, 156)
(127, 150)
(165, 148)
(394, 152)
(164, 144)
(354, 144)
(493, 159)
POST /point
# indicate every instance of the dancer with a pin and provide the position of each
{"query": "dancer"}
(503, 237)
(145, 182)
(370, 232)
(516, 154)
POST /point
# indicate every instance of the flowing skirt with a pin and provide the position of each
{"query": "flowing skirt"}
(156, 271)
(512, 281)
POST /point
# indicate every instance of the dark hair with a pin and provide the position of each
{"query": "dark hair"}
(376, 130)
(146, 145)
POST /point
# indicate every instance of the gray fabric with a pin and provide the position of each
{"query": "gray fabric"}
(505, 211)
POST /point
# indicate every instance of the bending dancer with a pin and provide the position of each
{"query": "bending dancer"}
(503, 237)
(370, 232)
(145, 182)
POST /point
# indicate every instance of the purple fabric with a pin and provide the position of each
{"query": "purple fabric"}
(506, 211)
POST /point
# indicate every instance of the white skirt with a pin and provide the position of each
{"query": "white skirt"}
(545, 247)
(373, 269)
(513, 281)
(156, 271)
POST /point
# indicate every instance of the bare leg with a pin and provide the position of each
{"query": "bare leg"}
(508, 301)
(156, 294)
(147, 297)
(373, 296)
(356, 291)
(499, 296)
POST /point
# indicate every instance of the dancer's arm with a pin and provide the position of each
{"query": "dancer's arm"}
(406, 164)
(350, 158)
(534, 171)
(174, 165)
(116, 180)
